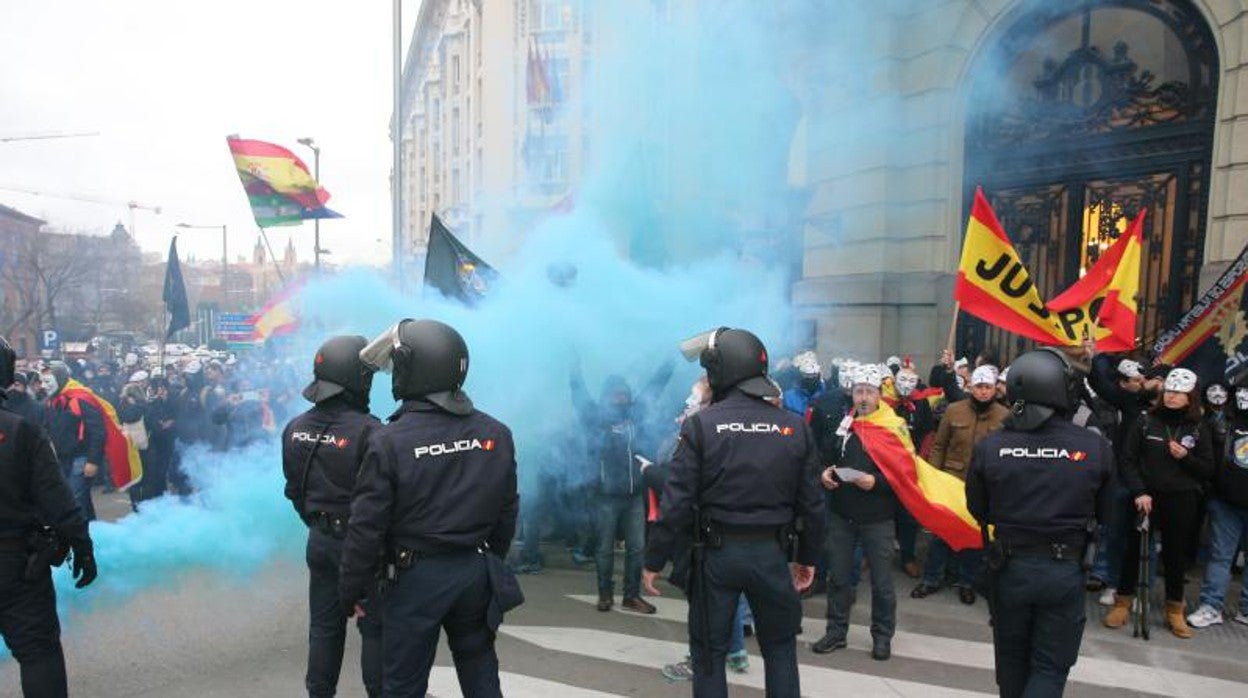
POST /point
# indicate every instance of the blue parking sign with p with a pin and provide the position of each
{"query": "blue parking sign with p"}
(49, 339)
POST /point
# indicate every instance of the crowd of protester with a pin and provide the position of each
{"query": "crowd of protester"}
(1181, 448)
(1182, 463)
(164, 407)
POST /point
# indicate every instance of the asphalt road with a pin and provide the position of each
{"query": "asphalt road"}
(203, 636)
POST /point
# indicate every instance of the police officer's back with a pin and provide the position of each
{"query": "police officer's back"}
(39, 521)
(751, 469)
(1043, 483)
(322, 450)
(438, 487)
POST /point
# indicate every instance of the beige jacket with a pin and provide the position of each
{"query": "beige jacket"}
(960, 429)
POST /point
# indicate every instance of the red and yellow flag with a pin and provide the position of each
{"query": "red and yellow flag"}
(1108, 290)
(124, 462)
(993, 285)
(1119, 311)
(278, 317)
(279, 186)
(936, 499)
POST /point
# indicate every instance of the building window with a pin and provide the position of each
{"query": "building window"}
(455, 131)
(1080, 118)
(550, 15)
(455, 74)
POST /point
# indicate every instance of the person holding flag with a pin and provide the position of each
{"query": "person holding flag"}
(76, 428)
(1043, 483)
(862, 508)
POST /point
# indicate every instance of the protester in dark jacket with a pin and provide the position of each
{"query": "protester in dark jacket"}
(19, 401)
(77, 432)
(616, 431)
(1166, 462)
(1228, 520)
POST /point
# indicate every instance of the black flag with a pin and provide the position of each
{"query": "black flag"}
(175, 293)
(1212, 337)
(452, 268)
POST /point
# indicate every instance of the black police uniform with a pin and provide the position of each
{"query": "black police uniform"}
(1043, 490)
(322, 450)
(33, 494)
(434, 490)
(754, 470)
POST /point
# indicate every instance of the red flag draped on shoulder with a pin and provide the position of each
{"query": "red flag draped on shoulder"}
(123, 457)
(936, 499)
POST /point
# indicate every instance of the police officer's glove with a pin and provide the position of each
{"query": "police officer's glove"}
(84, 561)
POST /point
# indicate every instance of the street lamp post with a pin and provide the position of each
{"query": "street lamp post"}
(316, 223)
(225, 258)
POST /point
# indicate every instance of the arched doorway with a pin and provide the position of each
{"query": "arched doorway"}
(1082, 114)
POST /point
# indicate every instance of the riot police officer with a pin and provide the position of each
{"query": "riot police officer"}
(437, 496)
(1043, 483)
(39, 522)
(750, 471)
(321, 454)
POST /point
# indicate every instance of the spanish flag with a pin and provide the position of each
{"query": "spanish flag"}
(124, 462)
(1119, 311)
(993, 283)
(278, 317)
(936, 499)
(279, 186)
(1108, 291)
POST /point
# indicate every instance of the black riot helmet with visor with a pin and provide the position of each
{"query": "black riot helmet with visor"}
(1041, 384)
(429, 360)
(337, 369)
(733, 358)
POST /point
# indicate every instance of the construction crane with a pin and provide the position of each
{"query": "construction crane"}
(46, 136)
(132, 205)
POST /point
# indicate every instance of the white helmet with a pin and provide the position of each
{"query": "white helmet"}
(869, 374)
(807, 363)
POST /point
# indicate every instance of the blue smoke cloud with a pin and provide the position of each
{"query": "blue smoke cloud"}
(686, 223)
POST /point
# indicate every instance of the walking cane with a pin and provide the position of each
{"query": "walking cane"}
(1143, 584)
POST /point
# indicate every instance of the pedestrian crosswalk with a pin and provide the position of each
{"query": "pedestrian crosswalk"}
(561, 652)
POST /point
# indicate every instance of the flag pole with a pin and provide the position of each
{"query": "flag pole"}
(953, 326)
(276, 267)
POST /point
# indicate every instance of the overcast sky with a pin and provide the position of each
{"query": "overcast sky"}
(165, 82)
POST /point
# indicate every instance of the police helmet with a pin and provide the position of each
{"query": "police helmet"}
(431, 361)
(1041, 383)
(8, 364)
(337, 368)
(737, 358)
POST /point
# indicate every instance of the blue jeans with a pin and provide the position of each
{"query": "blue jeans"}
(80, 487)
(737, 642)
(938, 555)
(629, 515)
(1113, 536)
(1228, 530)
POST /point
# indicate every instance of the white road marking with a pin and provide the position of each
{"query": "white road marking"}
(1093, 671)
(817, 682)
(443, 683)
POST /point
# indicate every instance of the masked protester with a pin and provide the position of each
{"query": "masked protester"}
(1214, 403)
(964, 424)
(809, 385)
(617, 439)
(1228, 520)
(1167, 461)
(76, 428)
(35, 506)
